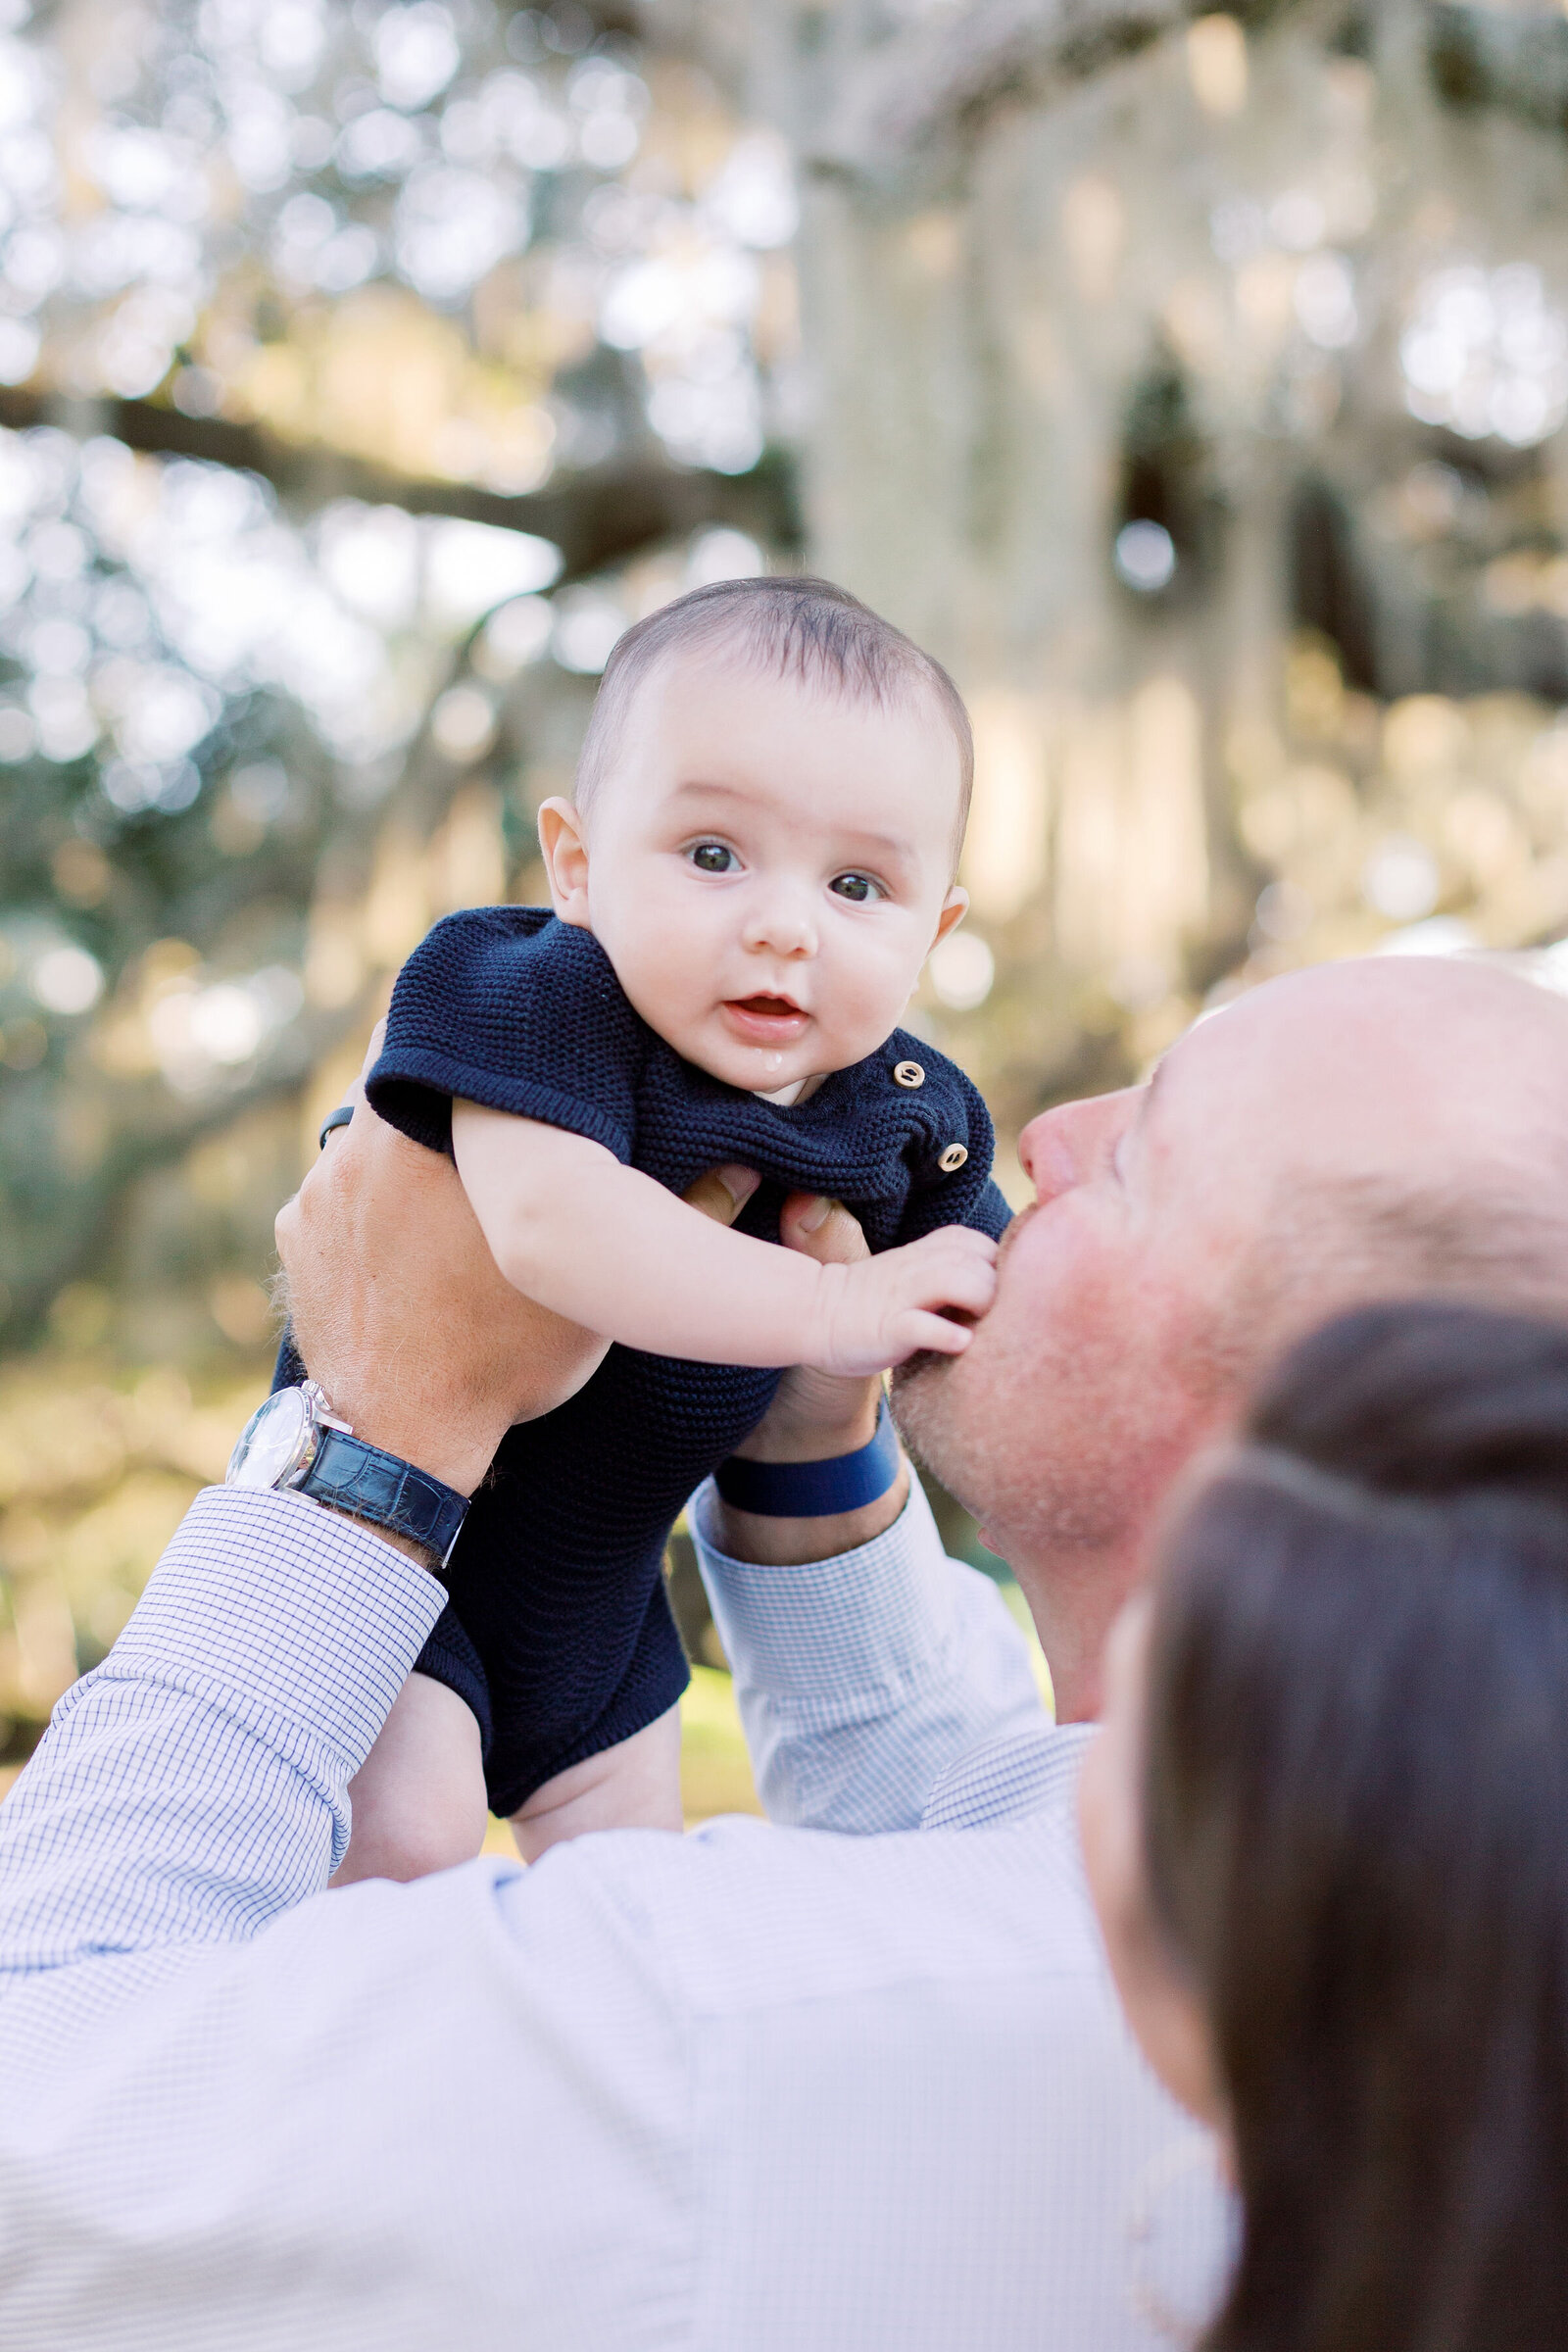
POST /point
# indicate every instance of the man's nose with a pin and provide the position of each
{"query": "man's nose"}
(1062, 1146)
(781, 921)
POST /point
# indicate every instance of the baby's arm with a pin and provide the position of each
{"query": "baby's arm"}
(572, 1227)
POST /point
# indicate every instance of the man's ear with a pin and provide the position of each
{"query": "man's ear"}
(564, 846)
(955, 906)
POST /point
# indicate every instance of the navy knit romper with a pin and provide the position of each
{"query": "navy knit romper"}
(558, 1634)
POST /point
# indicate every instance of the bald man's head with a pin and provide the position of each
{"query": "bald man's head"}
(1418, 1143)
(1358, 1131)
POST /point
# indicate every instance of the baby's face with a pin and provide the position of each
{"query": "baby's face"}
(766, 866)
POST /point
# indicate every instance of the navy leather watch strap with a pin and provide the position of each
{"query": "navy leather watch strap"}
(334, 1119)
(376, 1487)
(846, 1481)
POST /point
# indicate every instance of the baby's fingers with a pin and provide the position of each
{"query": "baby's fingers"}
(949, 1273)
(953, 1246)
(970, 1286)
(919, 1333)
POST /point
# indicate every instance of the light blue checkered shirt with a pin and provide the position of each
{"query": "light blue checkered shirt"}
(759, 2089)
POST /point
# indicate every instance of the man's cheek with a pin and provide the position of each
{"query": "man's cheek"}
(1055, 1277)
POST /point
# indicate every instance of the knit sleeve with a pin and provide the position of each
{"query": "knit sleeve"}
(942, 1194)
(505, 1006)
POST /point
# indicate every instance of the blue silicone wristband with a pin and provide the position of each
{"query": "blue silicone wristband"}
(846, 1481)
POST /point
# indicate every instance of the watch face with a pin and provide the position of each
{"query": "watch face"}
(275, 1442)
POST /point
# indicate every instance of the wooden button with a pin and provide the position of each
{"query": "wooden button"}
(953, 1159)
(907, 1073)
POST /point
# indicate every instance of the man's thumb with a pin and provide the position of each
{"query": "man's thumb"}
(822, 1229)
(722, 1193)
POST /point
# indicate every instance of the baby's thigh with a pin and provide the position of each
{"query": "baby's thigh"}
(633, 1786)
(417, 1801)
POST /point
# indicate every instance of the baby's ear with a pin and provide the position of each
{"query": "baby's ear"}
(955, 906)
(564, 846)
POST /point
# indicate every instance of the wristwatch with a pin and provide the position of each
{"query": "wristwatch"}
(294, 1440)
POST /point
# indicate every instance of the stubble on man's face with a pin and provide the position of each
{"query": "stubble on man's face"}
(1098, 1368)
(1043, 1427)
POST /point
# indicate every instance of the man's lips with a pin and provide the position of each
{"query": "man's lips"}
(766, 1021)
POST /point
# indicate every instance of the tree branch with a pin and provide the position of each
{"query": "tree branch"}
(941, 77)
(596, 518)
(916, 90)
(78, 1227)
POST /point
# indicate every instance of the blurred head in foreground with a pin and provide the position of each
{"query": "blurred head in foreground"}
(1325, 1830)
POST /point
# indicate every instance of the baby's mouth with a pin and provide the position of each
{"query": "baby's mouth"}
(765, 1019)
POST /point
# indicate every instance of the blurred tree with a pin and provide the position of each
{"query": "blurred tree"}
(1175, 372)
(1192, 382)
(364, 373)
(323, 274)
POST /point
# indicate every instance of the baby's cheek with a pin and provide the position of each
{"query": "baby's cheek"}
(666, 976)
(873, 994)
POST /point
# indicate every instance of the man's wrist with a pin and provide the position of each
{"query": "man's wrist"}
(830, 1486)
(816, 1415)
(456, 1460)
(789, 1512)
(455, 1449)
(412, 1549)
(295, 1441)
(772, 1543)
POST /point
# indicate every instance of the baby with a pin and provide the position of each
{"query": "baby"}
(757, 859)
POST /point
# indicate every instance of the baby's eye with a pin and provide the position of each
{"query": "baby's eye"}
(858, 888)
(712, 857)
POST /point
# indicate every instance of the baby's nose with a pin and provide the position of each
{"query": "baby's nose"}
(783, 922)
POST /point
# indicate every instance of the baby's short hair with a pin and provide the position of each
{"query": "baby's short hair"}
(797, 627)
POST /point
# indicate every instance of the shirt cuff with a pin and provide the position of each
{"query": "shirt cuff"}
(863, 1619)
(267, 1597)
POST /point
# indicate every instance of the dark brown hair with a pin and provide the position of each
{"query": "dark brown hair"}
(1356, 1825)
(796, 627)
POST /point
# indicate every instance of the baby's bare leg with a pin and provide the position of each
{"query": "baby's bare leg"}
(633, 1786)
(418, 1797)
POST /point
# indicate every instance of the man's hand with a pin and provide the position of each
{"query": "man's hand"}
(813, 1416)
(400, 1312)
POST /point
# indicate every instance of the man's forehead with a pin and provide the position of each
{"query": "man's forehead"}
(1224, 1075)
(1362, 1046)
(1268, 1033)
(1180, 1070)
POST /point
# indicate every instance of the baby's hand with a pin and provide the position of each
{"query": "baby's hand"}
(885, 1308)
